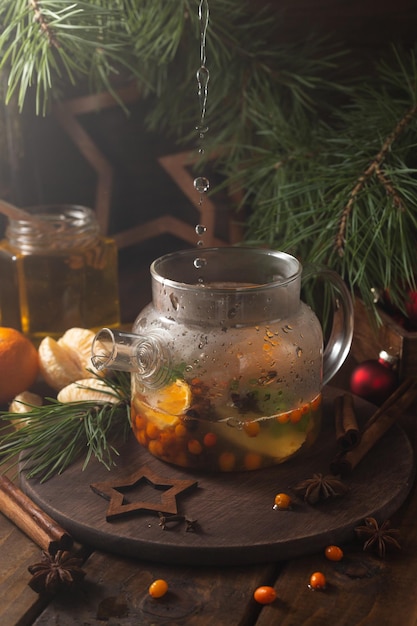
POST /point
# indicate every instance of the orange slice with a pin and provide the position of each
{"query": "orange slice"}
(161, 419)
(173, 399)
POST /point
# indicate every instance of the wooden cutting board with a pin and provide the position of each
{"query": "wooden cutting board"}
(236, 520)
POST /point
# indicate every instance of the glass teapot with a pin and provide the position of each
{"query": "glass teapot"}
(227, 362)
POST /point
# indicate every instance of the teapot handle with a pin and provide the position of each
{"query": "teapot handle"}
(340, 340)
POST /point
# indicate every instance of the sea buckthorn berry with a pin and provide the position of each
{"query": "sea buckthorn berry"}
(194, 447)
(314, 404)
(317, 581)
(155, 447)
(282, 501)
(265, 595)
(180, 430)
(333, 553)
(252, 428)
(152, 430)
(252, 461)
(210, 440)
(227, 461)
(296, 415)
(283, 418)
(158, 588)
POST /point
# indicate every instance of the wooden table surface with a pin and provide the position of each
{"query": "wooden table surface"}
(362, 589)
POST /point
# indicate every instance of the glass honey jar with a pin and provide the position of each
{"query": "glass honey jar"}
(57, 272)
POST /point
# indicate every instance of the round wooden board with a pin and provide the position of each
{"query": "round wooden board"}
(236, 520)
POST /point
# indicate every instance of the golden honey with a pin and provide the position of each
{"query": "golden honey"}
(57, 273)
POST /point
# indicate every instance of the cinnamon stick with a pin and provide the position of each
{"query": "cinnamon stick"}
(346, 425)
(41, 528)
(379, 423)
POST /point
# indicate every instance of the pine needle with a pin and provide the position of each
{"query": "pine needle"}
(47, 439)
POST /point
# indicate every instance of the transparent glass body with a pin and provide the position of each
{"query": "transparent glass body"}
(227, 362)
(57, 275)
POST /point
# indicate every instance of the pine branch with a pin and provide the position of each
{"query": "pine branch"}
(41, 20)
(47, 439)
(374, 168)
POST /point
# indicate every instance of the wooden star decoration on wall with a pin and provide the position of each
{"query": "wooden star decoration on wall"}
(176, 166)
(115, 490)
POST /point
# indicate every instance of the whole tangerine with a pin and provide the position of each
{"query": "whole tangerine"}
(19, 363)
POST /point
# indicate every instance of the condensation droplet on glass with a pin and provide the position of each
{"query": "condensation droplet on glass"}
(200, 243)
(299, 352)
(201, 184)
(200, 280)
(200, 229)
(174, 301)
(233, 422)
(287, 328)
(199, 262)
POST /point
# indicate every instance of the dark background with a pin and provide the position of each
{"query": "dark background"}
(41, 165)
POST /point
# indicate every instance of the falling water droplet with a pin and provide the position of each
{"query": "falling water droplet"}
(203, 76)
(202, 128)
(201, 184)
(199, 262)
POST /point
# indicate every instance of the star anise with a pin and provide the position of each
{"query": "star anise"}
(378, 537)
(54, 571)
(320, 488)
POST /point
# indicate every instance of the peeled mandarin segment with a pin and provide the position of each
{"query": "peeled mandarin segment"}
(87, 389)
(57, 364)
(79, 341)
(24, 402)
(175, 398)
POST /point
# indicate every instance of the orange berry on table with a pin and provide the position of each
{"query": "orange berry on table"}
(317, 581)
(282, 501)
(265, 594)
(19, 363)
(333, 553)
(158, 588)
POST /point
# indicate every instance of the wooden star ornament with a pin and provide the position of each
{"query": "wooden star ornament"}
(114, 491)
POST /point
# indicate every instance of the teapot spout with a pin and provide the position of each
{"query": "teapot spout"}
(147, 356)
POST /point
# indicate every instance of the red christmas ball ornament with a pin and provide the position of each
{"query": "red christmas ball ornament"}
(375, 379)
